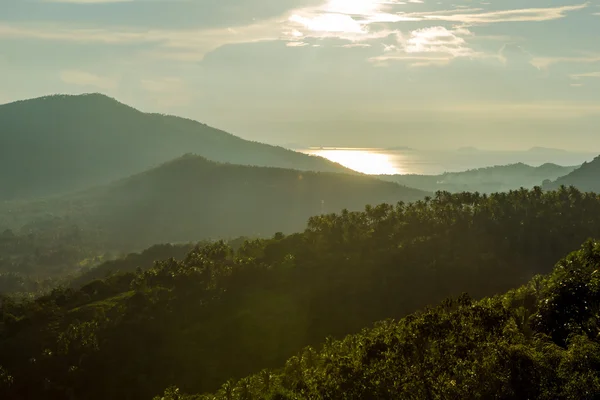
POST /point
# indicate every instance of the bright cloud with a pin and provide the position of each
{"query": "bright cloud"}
(434, 46)
(437, 39)
(330, 23)
(82, 78)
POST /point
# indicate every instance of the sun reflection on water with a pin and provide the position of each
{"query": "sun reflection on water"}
(366, 161)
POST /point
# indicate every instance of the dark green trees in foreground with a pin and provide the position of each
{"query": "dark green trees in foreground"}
(540, 341)
(221, 314)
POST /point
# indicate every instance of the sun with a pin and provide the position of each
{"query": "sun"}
(353, 7)
(340, 16)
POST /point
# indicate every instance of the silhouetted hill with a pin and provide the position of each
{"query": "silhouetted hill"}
(61, 143)
(192, 198)
(485, 180)
(585, 178)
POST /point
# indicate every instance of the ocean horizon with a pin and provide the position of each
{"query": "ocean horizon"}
(386, 161)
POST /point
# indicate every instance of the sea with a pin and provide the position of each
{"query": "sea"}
(401, 161)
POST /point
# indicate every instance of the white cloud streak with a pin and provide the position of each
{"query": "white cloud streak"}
(546, 62)
(586, 75)
(518, 15)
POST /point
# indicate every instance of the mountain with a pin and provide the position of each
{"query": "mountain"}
(484, 180)
(585, 178)
(63, 143)
(539, 149)
(192, 198)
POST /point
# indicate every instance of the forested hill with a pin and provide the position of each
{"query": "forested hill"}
(537, 342)
(192, 198)
(220, 314)
(60, 143)
(585, 178)
(485, 180)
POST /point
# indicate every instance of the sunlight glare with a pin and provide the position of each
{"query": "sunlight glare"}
(338, 16)
(353, 7)
(365, 161)
(329, 23)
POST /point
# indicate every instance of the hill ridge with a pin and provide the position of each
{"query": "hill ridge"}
(61, 143)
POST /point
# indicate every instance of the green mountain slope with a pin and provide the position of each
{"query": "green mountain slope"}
(192, 198)
(585, 178)
(220, 314)
(537, 342)
(60, 143)
(484, 180)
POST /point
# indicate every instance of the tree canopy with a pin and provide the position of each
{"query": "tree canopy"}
(222, 314)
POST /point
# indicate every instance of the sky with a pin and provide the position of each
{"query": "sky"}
(357, 73)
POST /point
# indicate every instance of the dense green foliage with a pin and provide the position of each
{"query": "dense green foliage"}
(191, 198)
(584, 178)
(541, 341)
(484, 180)
(61, 143)
(131, 262)
(39, 256)
(221, 314)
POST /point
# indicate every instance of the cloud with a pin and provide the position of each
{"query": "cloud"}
(192, 44)
(330, 23)
(353, 45)
(517, 15)
(357, 21)
(82, 78)
(437, 39)
(433, 46)
(546, 62)
(296, 44)
(586, 75)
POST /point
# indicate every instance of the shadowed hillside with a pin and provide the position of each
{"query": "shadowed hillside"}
(60, 143)
(192, 198)
(585, 178)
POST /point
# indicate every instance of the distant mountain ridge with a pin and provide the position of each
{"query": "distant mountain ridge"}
(192, 198)
(62, 143)
(490, 179)
(585, 178)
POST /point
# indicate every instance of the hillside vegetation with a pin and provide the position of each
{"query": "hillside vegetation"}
(221, 314)
(484, 180)
(540, 341)
(62, 143)
(192, 198)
